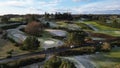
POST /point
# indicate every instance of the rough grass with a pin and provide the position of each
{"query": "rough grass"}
(83, 26)
(10, 46)
(6, 45)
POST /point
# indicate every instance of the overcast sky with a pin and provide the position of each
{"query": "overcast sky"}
(52, 6)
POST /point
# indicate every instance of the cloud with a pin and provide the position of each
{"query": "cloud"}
(100, 6)
(79, 0)
(15, 3)
(28, 6)
(52, 6)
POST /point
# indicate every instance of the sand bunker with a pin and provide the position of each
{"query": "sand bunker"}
(49, 42)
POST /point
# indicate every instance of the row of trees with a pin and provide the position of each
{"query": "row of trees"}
(22, 18)
(4, 19)
(63, 16)
(59, 16)
(8, 20)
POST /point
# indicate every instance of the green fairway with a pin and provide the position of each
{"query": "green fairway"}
(62, 24)
(115, 53)
(101, 27)
(112, 33)
(104, 29)
(108, 60)
(83, 26)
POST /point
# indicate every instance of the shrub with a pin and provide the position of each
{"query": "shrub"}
(30, 43)
(34, 28)
(106, 47)
(56, 62)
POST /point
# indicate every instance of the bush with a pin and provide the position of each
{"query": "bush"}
(30, 43)
(56, 62)
(117, 66)
(106, 47)
(34, 28)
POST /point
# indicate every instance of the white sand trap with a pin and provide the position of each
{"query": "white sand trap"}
(117, 32)
(49, 42)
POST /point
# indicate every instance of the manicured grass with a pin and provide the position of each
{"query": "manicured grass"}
(101, 27)
(83, 26)
(115, 53)
(62, 24)
(112, 33)
(104, 29)
(108, 60)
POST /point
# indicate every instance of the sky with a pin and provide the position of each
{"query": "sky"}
(52, 6)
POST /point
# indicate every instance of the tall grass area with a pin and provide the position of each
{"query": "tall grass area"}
(108, 60)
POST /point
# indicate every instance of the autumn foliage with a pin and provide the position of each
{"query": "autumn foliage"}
(34, 28)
